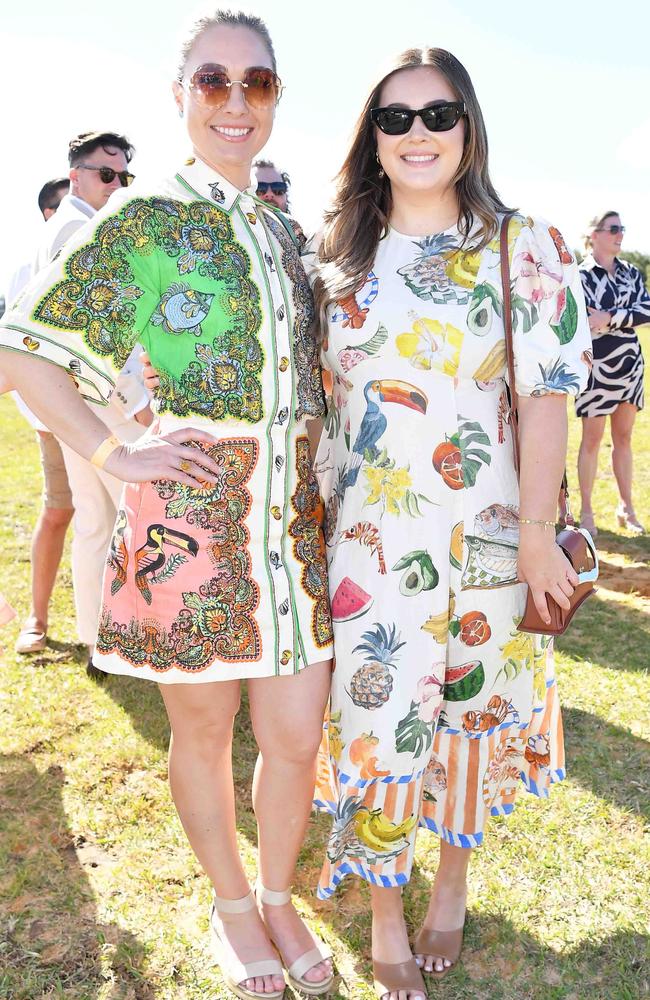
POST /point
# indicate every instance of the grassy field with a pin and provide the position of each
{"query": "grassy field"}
(100, 898)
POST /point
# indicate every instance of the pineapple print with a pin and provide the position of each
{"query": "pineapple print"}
(372, 684)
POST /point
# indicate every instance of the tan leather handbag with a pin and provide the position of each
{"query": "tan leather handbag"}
(576, 543)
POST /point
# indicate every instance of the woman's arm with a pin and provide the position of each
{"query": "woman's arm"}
(543, 441)
(639, 310)
(50, 393)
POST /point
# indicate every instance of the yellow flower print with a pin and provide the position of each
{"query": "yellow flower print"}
(519, 647)
(518, 653)
(430, 344)
(388, 486)
(515, 226)
(539, 674)
(463, 267)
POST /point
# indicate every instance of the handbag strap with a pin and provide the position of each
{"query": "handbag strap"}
(507, 326)
(563, 499)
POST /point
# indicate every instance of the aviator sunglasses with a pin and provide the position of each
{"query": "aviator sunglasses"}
(210, 85)
(399, 121)
(107, 175)
(611, 229)
(277, 187)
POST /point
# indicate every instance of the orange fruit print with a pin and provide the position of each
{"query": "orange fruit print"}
(474, 628)
(447, 460)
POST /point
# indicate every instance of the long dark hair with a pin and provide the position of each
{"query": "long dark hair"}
(363, 202)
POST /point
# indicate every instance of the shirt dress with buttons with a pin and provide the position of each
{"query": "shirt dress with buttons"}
(227, 581)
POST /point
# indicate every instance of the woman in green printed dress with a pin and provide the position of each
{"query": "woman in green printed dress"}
(427, 530)
(216, 571)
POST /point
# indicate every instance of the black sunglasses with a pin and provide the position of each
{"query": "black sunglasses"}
(107, 175)
(611, 229)
(399, 121)
(277, 187)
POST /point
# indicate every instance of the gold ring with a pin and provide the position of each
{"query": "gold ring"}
(186, 465)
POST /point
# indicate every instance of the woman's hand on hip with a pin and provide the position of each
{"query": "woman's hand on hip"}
(544, 567)
(171, 456)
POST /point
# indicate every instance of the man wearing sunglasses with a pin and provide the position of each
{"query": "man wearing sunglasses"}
(98, 166)
(272, 185)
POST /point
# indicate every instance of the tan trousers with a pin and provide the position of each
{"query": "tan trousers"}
(95, 497)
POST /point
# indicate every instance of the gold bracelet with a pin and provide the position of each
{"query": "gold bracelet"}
(532, 520)
(106, 448)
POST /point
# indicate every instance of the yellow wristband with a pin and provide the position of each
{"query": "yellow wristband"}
(106, 448)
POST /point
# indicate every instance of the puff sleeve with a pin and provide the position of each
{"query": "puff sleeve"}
(87, 309)
(551, 337)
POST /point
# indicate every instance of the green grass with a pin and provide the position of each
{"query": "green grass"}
(101, 899)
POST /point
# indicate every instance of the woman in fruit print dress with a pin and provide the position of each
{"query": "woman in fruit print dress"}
(430, 540)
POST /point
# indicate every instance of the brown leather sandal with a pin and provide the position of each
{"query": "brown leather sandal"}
(390, 977)
(440, 944)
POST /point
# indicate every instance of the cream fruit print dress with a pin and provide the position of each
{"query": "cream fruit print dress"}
(440, 707)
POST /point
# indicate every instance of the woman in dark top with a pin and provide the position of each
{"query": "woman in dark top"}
(617, 301)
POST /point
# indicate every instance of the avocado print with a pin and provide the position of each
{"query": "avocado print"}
(419, 573)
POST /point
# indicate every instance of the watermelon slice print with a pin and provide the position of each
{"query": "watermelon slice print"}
(350, 601)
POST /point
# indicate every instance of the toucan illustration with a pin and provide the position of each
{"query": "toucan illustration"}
(374, 421)
(150, 558)
(118, 556)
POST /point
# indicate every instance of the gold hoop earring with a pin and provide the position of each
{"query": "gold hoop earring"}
(381, 169)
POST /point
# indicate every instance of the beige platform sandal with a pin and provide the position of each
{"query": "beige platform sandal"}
(319, 953)
(234, 972)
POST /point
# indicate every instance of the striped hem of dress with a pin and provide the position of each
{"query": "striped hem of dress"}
(466, 840)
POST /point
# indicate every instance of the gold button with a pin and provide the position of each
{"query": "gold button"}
(252, 218)
(277, 513)
(286, 656)
(284, 364)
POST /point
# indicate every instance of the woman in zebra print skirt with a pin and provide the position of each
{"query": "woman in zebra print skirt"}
(617, 302)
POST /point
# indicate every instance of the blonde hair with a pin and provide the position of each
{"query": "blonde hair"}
(233, 19)
(594, 223)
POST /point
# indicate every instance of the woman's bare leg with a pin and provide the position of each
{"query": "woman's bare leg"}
(592, 433)
(287, 716)
(448, 900)
(200, 777)
(622, 424)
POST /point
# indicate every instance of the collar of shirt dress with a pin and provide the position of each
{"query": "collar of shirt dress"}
(205, 182)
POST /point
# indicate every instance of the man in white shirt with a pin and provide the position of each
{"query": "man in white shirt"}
(57, 510)
(98, 166)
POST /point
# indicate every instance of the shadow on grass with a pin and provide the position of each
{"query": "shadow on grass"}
(608, 760)
(609, 634)
(636, 547)
(50, 940)
(502, 962)
(499, 960)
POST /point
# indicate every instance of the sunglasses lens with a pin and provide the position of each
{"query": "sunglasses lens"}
(394, 121)
(278, 187)
(107, 175)
(126, 179)
(442, 118)
(261, 87)
(210, 86)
